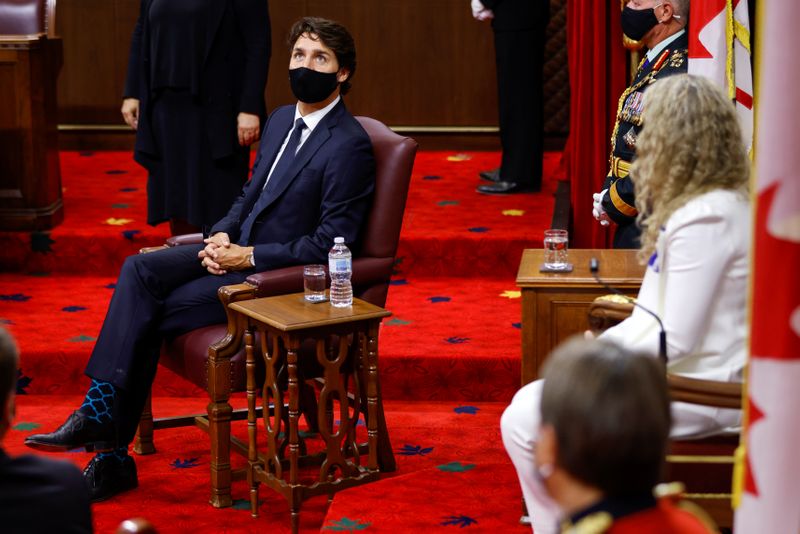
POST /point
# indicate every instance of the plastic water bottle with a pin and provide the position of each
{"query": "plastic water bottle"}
(340, 266)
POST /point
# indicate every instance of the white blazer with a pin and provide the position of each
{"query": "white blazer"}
(697, 282)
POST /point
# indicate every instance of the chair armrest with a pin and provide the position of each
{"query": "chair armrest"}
(231, 343)
(371, 271)
(705, 392)
(366, 272)
(185, 239)
(607, 311)
(277, 281)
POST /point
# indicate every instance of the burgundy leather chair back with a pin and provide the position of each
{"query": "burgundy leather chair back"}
(27, 17)
(394, 158)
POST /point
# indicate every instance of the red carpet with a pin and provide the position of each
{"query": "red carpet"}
(449, 356)
(448, 230)
(445, 333)
(446, 455)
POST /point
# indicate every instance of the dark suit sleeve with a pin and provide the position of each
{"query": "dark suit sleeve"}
(252, 18)
(619, 201)
(348, 183)
(135, 57)
(491, 4)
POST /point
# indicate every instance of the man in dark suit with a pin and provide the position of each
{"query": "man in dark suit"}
(661, 28)
(312, 181)
(36, 494)
(519, 37)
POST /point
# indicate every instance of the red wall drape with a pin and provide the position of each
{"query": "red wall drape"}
(597, 70)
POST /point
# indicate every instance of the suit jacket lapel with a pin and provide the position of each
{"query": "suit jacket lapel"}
(278, 184)
(272, 143)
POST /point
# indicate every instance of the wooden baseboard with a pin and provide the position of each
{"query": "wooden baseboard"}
(88, 137)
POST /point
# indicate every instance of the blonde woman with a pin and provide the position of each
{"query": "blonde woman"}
(691, 179)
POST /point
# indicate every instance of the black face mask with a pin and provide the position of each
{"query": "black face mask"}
(310, 86)
(637, 22)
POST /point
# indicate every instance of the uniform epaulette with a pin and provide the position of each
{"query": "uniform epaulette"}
(677, 58)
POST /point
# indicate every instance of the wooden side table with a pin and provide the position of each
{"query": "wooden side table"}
(346, 343)
(555, 305)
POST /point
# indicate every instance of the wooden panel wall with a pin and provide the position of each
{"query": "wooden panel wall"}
(420, 62)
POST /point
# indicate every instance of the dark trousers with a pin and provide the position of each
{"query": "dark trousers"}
(159, 295)
(520, 56)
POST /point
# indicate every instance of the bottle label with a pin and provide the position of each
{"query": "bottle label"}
(339, 265)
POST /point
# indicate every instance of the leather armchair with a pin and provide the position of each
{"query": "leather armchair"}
(28, 17)
(213, 357)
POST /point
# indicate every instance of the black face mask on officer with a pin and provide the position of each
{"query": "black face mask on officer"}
(311, 86)
(637, 22)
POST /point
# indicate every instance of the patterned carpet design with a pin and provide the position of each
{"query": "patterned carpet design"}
(449, 355)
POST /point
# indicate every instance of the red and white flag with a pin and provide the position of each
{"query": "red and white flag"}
(770, 496)
(719, 48)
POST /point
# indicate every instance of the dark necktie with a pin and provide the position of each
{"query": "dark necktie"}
(280, 169)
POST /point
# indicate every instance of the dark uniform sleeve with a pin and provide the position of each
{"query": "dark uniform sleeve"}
(619, 200)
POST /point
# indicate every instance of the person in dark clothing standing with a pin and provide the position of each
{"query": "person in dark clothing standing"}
(519, 38)
(194, 93)
(36, 494)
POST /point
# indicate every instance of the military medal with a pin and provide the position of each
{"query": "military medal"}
(630, 138)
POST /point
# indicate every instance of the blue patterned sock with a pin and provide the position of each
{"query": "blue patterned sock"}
(120, 454)
(99, 401)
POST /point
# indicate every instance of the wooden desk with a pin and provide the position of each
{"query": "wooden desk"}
(554, 305)
(346, 342)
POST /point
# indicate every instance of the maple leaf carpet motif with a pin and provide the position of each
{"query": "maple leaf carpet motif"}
(449, 355)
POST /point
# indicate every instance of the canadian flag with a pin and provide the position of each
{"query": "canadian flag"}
(770, 496)
(719, 48)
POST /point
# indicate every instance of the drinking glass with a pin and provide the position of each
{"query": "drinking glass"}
(314, 283)
(555, 249)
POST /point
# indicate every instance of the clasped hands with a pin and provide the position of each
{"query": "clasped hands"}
(597, 208)
(220, 256)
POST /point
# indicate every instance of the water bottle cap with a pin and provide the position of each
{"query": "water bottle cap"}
(338, 240)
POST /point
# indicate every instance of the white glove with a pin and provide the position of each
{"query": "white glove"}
(597, 208)
(480, 12)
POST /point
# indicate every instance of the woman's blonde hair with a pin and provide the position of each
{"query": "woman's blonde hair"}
(691, 144)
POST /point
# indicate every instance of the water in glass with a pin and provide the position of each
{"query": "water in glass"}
(555, 248)
(314, 283)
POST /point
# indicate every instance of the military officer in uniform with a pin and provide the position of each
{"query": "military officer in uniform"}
(661, 26)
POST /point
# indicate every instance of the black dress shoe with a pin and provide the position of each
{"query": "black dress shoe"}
(492, 176)
(77, 431)
(106, 477)
(506, 188)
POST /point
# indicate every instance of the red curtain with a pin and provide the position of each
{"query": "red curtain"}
(597, 71)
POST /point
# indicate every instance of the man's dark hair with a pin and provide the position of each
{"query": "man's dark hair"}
(610, 411)
(9, 360)
(334, 36)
